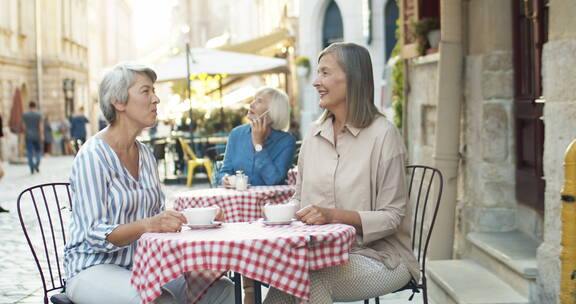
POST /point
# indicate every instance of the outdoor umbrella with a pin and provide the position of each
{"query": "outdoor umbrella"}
(212, 62)
(16, 123)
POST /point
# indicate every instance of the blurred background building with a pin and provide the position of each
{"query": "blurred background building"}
(53, 52)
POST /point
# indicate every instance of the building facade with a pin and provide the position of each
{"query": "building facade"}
(57, 56)
(494, 109)
(43, 55)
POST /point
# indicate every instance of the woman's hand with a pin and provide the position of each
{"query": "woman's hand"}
(259, 130)
(219, 215)
(226, 181)
(167, 221)
(314, 215)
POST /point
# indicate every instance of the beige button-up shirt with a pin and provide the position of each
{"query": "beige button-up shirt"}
(363, 171)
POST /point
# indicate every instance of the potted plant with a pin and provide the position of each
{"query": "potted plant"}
(427, 33)
(303, 66)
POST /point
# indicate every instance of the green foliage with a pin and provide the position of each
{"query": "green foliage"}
(421, 28)
(398, 82)
(222, 120)
(179, 88)
(303, 62)
(420, 31)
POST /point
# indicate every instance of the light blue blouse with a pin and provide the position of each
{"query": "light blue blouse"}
(105, 195)
(267, 167)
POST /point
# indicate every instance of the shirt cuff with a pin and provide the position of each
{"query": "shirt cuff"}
(97, 238)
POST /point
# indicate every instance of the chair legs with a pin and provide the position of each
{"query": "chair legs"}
(190, 175)
(192, 166)
(237, 288)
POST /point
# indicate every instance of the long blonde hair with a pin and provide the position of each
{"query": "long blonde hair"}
(355, 61)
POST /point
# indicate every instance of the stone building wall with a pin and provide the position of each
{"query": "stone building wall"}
(488, 202)
(558, 77)
(420, 109)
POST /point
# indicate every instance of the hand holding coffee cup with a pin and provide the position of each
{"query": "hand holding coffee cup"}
(280, 212)
(202, 215)
(229, 181)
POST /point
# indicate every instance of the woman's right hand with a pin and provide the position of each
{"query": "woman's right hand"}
(167, 221)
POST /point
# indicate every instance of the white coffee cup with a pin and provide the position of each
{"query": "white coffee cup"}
(280, 212)
(200, 215)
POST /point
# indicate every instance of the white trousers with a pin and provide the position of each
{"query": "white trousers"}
(107, 283)
(358, 279)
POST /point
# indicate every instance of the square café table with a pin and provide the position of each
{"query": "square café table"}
(238, 206)
(281, 256)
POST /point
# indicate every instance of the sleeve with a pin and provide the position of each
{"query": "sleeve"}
(89, 183)
(391, 197)
(299, 176)
(227, 167)
(271, 169)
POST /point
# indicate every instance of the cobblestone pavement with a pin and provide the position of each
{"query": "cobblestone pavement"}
(19, 280)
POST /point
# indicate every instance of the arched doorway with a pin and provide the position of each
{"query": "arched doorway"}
(391, 13)
(332, 29)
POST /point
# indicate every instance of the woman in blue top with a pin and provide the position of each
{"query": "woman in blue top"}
(116, 197)
(262, 149)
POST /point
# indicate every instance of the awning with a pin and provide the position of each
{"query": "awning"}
(208, 61)
(260, 44)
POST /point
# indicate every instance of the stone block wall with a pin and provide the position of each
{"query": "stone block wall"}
(558, 77)
(420, 108)
(486, 191)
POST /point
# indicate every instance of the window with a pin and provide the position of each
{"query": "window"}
(391, 14)
(332, 29)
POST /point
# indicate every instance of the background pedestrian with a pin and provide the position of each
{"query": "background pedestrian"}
(78, 128)
(34, 130)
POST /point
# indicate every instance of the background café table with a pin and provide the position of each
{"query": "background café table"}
(238, 206)
(281, 256)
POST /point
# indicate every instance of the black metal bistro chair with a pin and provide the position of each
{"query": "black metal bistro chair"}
(425, 185)
(40, 209)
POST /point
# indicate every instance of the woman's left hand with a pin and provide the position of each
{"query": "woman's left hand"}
(315, 215)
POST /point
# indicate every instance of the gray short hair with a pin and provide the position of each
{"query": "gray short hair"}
(115, 84)
(278, 109)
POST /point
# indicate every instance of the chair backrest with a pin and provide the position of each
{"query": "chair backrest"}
(425, 185)
(40, 209)
(187, 149)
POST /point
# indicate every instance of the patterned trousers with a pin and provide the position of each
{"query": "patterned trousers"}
(358, 279)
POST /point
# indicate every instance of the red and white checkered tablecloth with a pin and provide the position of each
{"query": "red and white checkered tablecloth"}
(291, 176)
(281, 256)
(238, 206)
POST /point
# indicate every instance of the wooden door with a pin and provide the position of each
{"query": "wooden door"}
(530, 22)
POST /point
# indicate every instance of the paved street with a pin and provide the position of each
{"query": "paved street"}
(20, 281)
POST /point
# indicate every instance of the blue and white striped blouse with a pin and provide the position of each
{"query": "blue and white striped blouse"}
(105, 195)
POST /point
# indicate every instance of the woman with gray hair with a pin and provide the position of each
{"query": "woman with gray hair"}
(262, 149)
(116, 197)
(351, 171)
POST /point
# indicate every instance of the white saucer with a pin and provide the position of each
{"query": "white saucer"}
(267, 222)
(214, 224)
